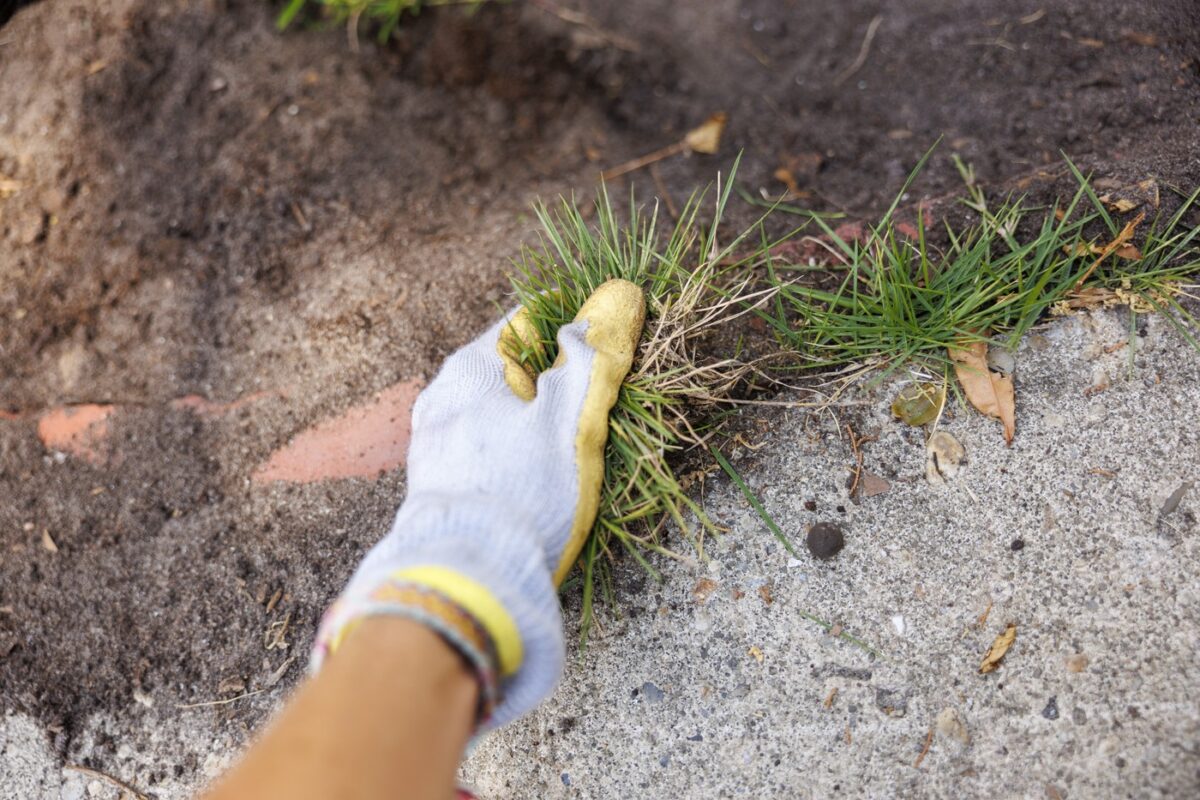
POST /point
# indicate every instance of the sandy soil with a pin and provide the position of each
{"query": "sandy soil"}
(216, 237)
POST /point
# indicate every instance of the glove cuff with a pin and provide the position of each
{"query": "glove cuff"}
(485, 561)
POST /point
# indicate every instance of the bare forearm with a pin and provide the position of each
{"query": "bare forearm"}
(388, 717)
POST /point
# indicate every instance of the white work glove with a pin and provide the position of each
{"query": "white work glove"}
(504, 478)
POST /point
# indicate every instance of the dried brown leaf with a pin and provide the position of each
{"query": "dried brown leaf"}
(785, 176)
(1122, 205)
(999, 649)
(707, 137)
(1149, 189)
(989, 392)
(919, 403)
(1121, 239)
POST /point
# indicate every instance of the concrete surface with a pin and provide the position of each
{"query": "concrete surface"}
(715, 684)
(1096, 699)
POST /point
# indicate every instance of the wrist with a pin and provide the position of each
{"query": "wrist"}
(397, 599)
(485, 561)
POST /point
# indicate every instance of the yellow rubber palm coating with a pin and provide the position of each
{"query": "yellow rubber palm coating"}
(615, 314)
(519, 335)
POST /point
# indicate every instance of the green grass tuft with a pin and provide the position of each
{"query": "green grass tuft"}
(694, 284)
(384, 13)
(891, 300)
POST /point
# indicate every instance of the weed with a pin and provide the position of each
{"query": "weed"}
(891, 299)
(385, 13)
(693, 286)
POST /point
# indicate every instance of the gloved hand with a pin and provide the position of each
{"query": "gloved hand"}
(504, 477)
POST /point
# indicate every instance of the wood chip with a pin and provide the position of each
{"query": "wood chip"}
(48, 541)
(873, 485)
(234, 684)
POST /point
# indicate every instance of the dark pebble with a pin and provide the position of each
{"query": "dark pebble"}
(699, 737)
(825, 540)
(1017, 544)
(1051, 709)
(566, 779)
(810, 505)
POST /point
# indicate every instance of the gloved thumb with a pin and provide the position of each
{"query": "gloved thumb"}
(595, 354)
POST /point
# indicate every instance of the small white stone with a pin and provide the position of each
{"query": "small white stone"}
(1053, 420)
(899, 624)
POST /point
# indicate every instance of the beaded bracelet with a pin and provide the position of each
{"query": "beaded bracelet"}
(401, 598)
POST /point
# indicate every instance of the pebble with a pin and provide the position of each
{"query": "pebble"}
(1053, 420)
(1051, 709)
(1077, 662)
(949, 724)
(1001, 360)
(652, 693)
(825, 540)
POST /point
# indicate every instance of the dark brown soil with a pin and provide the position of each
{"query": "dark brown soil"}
(210, 207)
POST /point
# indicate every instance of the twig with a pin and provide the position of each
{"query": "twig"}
(224, 702)
(584, 21)
(924, 750)
(638, 163)
(856, 443)
(117, 782)
(863, 51)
